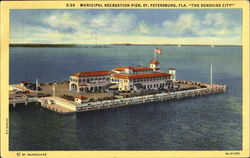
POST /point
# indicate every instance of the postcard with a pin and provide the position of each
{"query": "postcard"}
(122, 79)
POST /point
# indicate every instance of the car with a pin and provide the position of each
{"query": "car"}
(19, 92)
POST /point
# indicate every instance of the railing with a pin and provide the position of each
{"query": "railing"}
(23, 100)
(150, 98)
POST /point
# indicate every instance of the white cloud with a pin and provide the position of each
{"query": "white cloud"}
(111, 23)
(145, 28)
(214, 19)
(107, 27)
(64, 20)
(218, 24)
(123, 23)
(187, 23)
(101, 20)
(210, 25)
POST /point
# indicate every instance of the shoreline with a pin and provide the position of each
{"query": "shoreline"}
(107, 45)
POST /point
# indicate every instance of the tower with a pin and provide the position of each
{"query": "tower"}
(172, 71)
(154, 64)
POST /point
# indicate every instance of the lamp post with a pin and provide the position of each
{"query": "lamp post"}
(54, 90)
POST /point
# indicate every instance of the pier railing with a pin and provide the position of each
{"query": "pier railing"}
(150, 98)
(25, 100)
(68, 107)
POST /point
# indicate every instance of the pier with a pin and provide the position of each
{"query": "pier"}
(151, 98)
(25, 101)
(57, 104)
(64, 106)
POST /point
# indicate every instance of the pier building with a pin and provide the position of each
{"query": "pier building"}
(89, 81)
(124, 79)
(81, 99)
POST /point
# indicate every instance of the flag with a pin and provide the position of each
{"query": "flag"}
(158, 51)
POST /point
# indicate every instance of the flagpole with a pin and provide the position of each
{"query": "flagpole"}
(154, 52)
(211, 74)
(211, 66)
(54, 90)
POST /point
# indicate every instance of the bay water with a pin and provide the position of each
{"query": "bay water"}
(211, 122)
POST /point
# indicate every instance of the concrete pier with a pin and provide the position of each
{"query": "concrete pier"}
(64, 106)
(24, 101)
(57, 104)
(150, 98)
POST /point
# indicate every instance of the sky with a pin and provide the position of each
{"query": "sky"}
(136, 26)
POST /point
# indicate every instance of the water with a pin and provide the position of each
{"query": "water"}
(205, 123)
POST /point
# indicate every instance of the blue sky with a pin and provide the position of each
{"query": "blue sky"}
(142, 26)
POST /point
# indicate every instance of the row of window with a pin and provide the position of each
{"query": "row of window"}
(114, 80)
(155, 85)
(73, 79)
(149, 79)
(91, 88)
(141, 72)
(150, 86)
(89, 79)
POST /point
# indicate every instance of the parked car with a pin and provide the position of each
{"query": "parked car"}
(40, 95)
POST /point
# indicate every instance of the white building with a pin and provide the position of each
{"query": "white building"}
(126, 79)
(89, 81)
(81, 99)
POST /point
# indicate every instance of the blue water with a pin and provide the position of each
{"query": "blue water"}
(205, 123)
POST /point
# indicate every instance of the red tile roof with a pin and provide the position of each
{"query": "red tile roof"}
(154, 62)
(96, 73)
(133, 68)
(122, 68)
(124, 76)
(81, 97)
(142, 69)
(24, 82)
